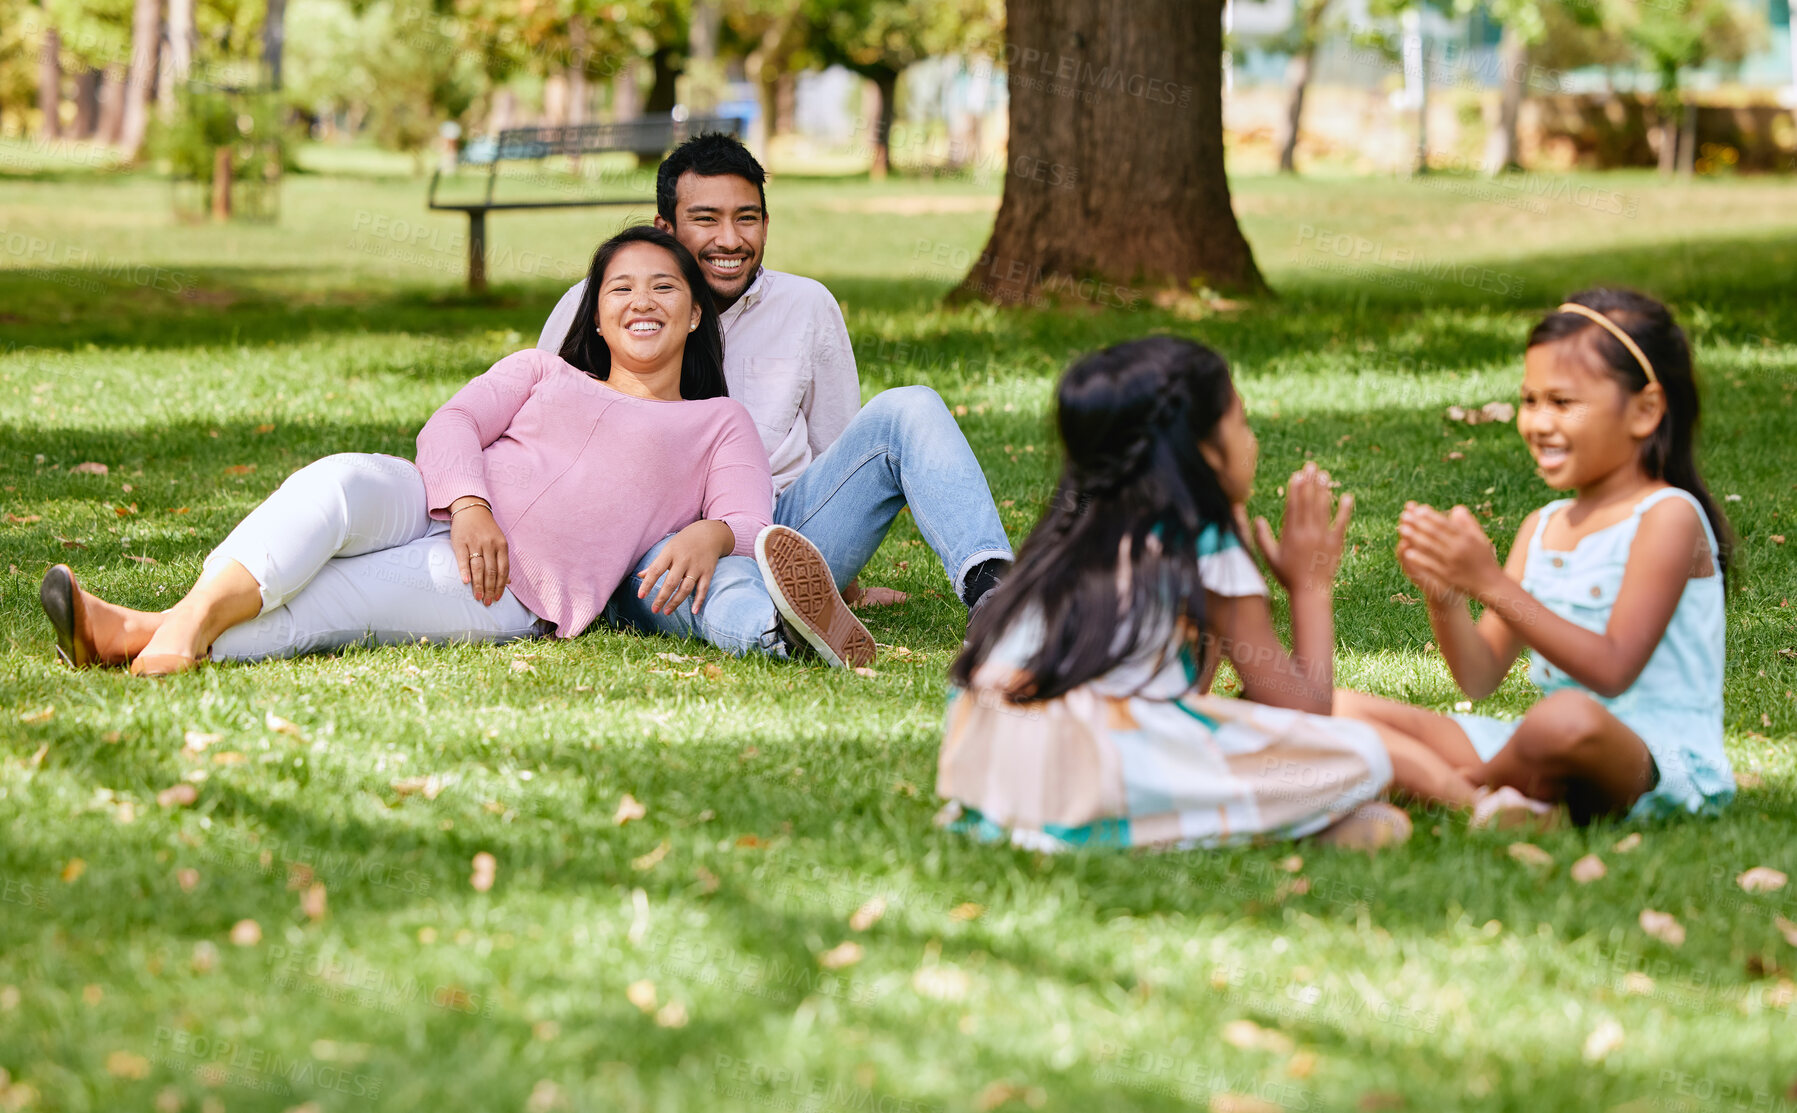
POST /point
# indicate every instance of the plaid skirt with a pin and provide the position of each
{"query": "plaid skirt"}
(1089, 769)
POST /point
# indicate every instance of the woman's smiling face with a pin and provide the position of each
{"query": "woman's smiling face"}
(646, 308)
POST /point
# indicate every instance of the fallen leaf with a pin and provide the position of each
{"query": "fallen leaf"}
(180, 795)
(228, 757)
(1787, 929)
(968, 911)
(675, 658)
(519, 664)
(89, 468)
(1627, 842)
(1778, 539)
(313, 902)
(125, 511)
(1250, 1036)
(1663, 926)
(246, 933)
(641, 994)
(194, 741)
(749, 842)
(127, 1064)
(714, 672)
(1748, 779)
(1376, 1101)
(1003, 1092)
(708, 881)
(1762, 879)
(1302, 1064)
(26, 520)
(1588, 869)
(205, 956)
(1637, 984)
(1604, 1038)
(1292, 864)
(628, 809)
(862, 670)
(39, 715)
(74, 869)
(429, 787)
(1530, 855)
(841, 955)
(187, 878)
(486, 869)
(282, 726)
(70, 542)
(265, 427)
(671, 1015)
(142, 559)
(940, 983)
(650, 860)
(868, 914)
(240, 469)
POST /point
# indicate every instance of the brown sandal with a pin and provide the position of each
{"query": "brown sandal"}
(60, 597)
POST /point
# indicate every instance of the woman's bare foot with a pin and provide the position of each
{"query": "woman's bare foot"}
(227, 596)
(1370, 827)
(120, 633)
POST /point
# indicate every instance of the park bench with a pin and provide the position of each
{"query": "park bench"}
(649, 135)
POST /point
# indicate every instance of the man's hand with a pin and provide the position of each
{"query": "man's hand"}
(480, 549)
(857, 596)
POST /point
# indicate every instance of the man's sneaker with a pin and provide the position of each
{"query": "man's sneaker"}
(799, 581)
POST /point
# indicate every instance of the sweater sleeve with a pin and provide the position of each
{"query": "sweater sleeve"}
(739, 488)
(451, 443)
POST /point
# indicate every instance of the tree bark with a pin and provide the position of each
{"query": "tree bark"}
(1115, 176)
(87, 102)
(49, 84)
(577, 74)
(885, 88)
(112, 105)
(274, 41)
(662, 95)
(1297, 75)
(626, 93)
(704, 74)
(1513, 61)
(146, 51)
(178, 62)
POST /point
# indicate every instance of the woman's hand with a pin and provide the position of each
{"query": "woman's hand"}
(480, 549)
(1446, 554)
(1309, 551)
(688, 559)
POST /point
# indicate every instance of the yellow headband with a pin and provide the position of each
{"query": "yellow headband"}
(1616, 331)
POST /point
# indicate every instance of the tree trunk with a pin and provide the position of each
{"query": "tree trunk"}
(786, 104)
(577, 74)
(1297, 75)
(885, 88)
(49, 84)
(704, 75)
(274, 41)
(146, 50)
(1687, 141)
(87, 102)
(221, 184)
(178, 62)
(662, 95)
(1513, 61)
(112, 105)
(1114, 114)
(626, 93)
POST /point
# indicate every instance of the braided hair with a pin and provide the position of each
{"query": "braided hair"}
(1112, 564)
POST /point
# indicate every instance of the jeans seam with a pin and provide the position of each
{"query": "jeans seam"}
(885, 449)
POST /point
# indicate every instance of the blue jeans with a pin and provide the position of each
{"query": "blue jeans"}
(902, 449)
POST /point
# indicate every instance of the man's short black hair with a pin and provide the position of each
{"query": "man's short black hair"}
(710, 153)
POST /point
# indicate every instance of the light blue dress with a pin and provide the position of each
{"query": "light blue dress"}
(1675, 705)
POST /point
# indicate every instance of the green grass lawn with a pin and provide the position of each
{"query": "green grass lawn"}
(694, 958)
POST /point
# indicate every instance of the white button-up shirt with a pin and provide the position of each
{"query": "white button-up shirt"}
(787, 359)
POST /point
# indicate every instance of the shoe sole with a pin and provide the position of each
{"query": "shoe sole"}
(61, 600)
(799, 581)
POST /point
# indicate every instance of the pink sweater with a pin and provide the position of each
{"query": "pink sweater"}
(584, 479)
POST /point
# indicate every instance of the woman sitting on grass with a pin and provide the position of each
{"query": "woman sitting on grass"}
(1083, 719)
(1617, 592)
(537, 489)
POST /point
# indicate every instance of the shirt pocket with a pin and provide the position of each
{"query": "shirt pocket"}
(773, 393)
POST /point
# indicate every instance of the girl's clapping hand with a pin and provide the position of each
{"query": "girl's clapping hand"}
(1313, 531)
(1445, 554)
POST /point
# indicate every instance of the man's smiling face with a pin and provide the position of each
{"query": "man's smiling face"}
(720, 220)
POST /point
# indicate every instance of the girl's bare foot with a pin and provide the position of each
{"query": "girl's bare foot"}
(1370, 827)
(1506, 809)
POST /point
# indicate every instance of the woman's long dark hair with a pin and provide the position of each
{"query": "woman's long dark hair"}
(1669, 453)
(1131, 418)
(702, 365)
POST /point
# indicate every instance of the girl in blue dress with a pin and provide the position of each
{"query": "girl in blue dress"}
(1616, 592)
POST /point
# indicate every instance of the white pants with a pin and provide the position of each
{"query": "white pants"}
(346, 552)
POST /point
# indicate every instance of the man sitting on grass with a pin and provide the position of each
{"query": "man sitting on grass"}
(842, 471)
